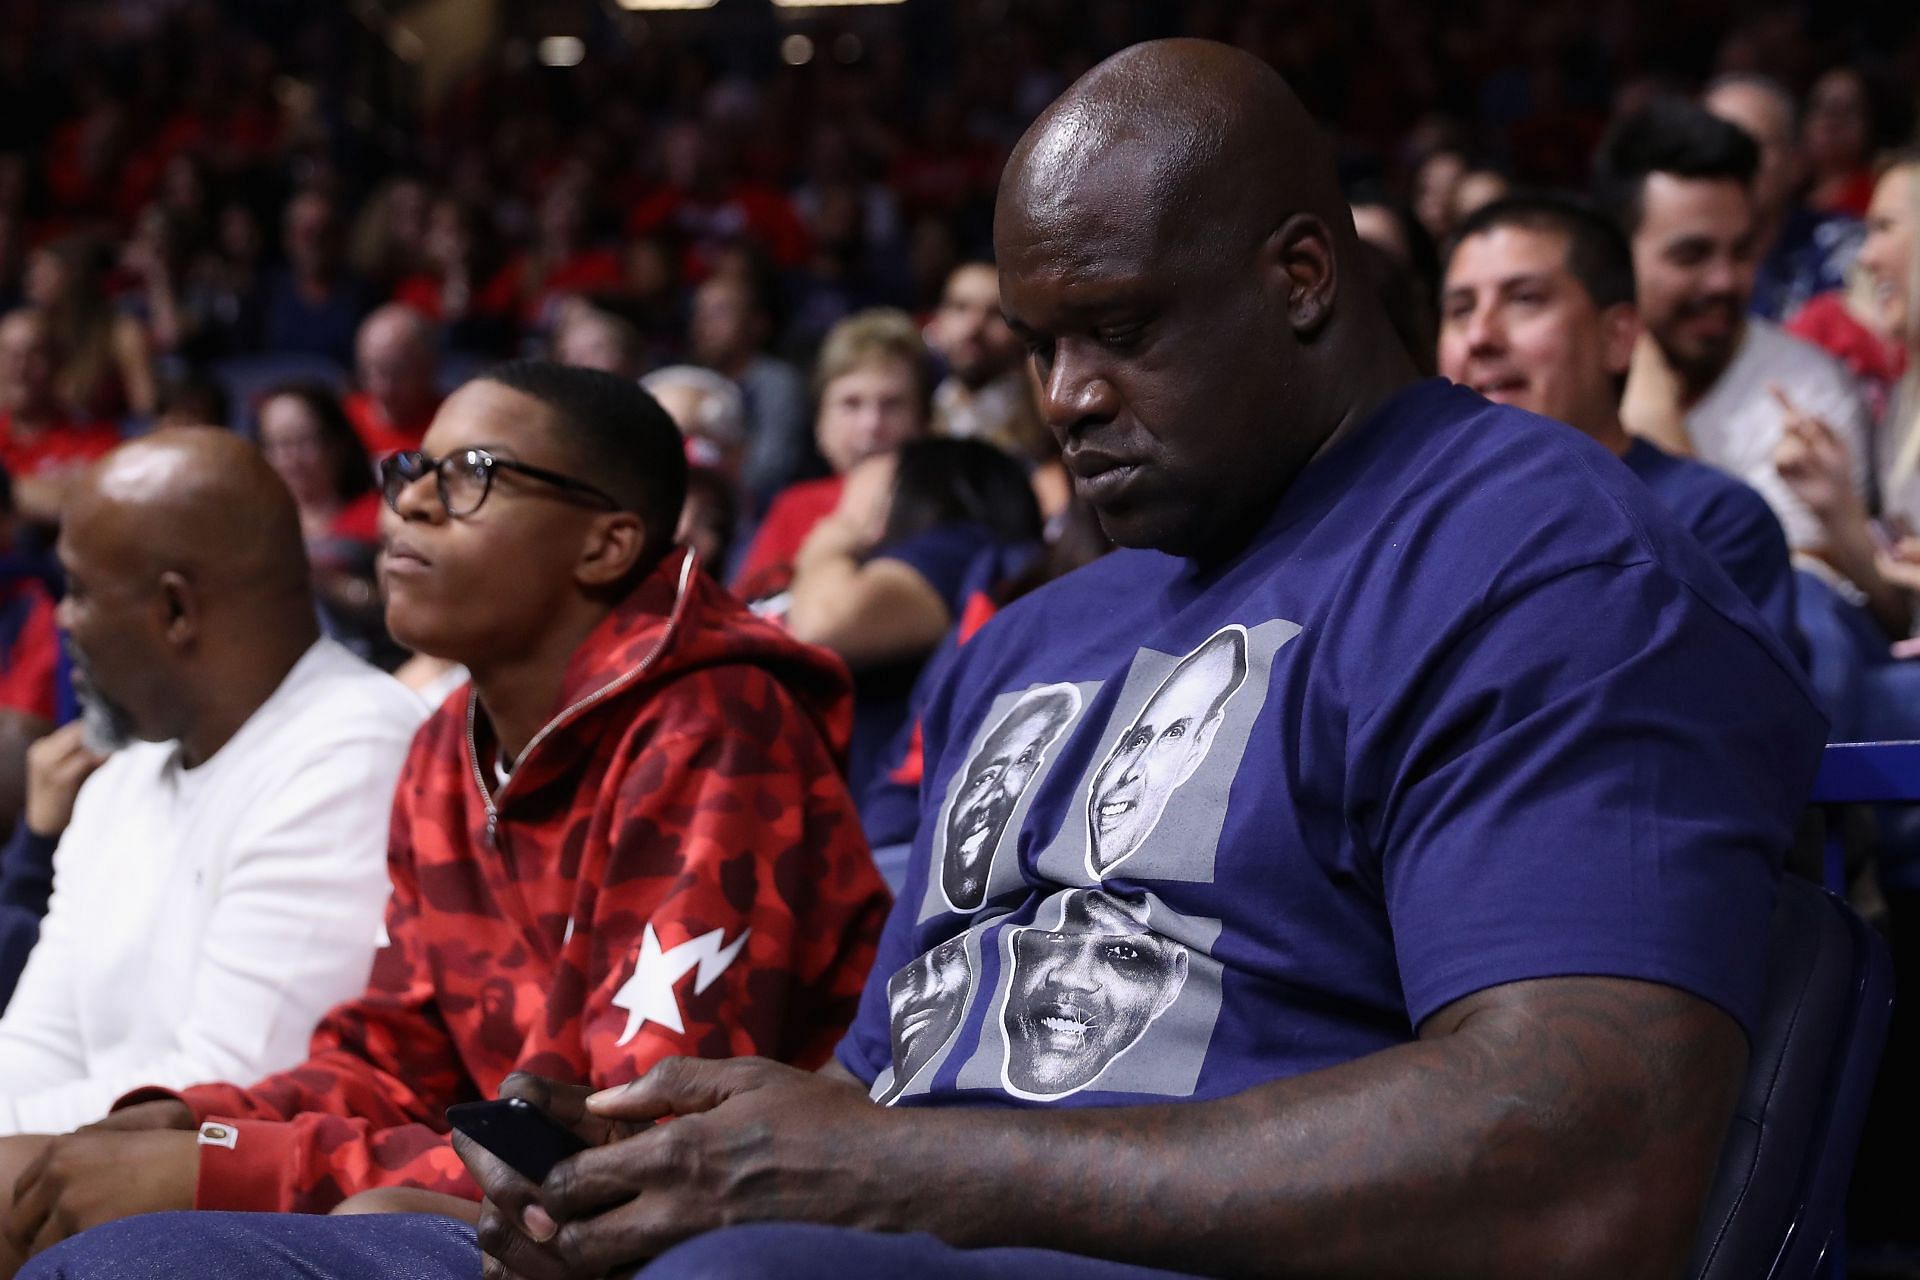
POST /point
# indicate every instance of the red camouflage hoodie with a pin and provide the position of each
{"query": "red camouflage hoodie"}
(675, 867)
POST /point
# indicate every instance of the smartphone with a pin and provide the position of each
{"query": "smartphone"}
(527, 1138)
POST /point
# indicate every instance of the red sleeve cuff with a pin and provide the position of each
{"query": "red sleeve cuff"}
(246, 1165)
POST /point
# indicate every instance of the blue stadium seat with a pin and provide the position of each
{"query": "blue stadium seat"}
(246, 378)
(1777, 1206)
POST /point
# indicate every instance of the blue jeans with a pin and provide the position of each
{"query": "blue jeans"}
(284, 1246)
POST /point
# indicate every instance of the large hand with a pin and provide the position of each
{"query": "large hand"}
(748, 1141)
(56, 766)
(85, 1179)
(518, 1239)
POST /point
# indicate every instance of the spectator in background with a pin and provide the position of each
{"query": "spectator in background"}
(171, 297)
(42, 447)
(593, 337)
(1538, 312)
(459, 260)
(397, 364)
(106, 368)
(192, 400)
(219, 883)
(1435, 181)
(711, 516)
(1708, 379)
(711, 414)
(874, 378)
(1816, 462)
(563, 259)
(882, 579)
(307, 438)
(1476, 189)
(313, 304)
(705, 205)
(986, 394)
(1838, 140)
(731, 325)
(1802, 253)
(388, 241)
(29, 707)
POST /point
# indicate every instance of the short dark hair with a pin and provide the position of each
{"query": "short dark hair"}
(1598, 255)
(619, 437)
(940, 481)
(1671, 135)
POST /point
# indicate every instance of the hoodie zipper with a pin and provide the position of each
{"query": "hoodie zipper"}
(604, 692)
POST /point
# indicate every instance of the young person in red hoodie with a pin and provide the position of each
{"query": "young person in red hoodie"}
(628, 840)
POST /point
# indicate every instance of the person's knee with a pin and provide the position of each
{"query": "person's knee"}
(765, 1251)
(130, 1249)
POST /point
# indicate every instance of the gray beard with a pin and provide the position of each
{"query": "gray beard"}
(104, 727)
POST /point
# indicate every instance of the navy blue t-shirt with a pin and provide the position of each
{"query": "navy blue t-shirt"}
(1736, 526)
(948, 556)
(1471, 709)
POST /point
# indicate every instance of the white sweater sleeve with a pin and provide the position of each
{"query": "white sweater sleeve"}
(291, 934)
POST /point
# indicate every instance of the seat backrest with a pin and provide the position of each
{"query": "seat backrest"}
(1777, 1199)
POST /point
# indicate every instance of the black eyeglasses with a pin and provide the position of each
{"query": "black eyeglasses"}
(465, 477)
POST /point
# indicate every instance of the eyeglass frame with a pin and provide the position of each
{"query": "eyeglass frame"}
(430, 465)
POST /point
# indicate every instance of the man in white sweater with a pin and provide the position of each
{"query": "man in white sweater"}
(221, 882)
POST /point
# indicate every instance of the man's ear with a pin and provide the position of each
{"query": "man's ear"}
(612, 548)
(1298, 263)
(1619, 331)
(179, 608)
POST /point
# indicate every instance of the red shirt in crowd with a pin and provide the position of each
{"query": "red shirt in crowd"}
(30, 665)
(379, 433)
(768, 565)
(28, 453)
(673, 867)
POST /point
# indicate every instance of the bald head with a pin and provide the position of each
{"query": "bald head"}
(187, 587)
(1170, 236)
(395, 361)
(199, 502)
(1172, 131)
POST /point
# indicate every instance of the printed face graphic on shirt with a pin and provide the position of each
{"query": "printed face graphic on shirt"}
(991, 784)
(925, 1001)
(1161, 749)
(1082, 994)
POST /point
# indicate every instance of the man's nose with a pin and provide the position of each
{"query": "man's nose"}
(1486, 335)
(1075, 392)
(1078, 970)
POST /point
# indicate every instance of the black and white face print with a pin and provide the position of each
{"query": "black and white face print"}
(990, 792)
(1155, 796)
(1092, 978)
(927, 1002)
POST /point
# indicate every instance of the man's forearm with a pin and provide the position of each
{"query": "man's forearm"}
(1572, 1139)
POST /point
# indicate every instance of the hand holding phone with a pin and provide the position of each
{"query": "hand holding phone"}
(529, 1140)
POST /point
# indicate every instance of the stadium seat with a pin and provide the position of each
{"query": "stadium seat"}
(246, 378)
(1776, 1207)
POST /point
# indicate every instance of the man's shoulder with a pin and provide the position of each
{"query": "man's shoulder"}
(334, 696)
(1772, 355)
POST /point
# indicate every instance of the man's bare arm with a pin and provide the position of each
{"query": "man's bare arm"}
(1564, 1127)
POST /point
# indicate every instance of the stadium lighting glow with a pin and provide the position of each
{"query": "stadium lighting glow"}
(796, 51)
(636, 6)
(562, 51)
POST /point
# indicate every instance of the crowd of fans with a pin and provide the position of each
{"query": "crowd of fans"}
(1694, 237)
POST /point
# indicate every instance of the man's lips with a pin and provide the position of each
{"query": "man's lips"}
(1101, 476)
(403, 557)
(1494, 386)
